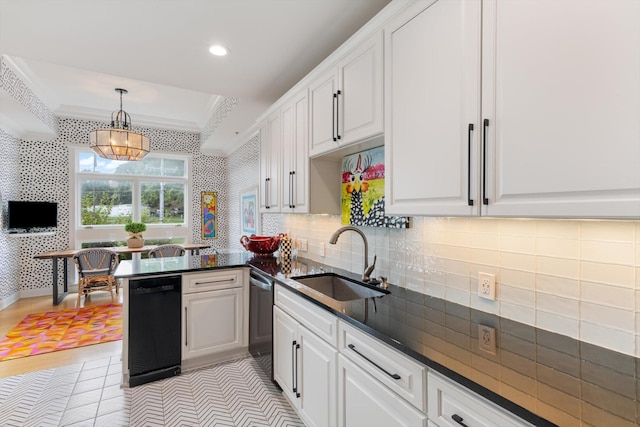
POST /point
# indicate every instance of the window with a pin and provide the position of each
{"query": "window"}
(110, 193)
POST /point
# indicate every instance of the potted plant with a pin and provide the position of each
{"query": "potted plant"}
(135, 230)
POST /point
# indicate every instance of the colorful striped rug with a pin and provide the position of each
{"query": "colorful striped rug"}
(61, 330)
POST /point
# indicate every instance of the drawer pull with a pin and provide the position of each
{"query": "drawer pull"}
(457, 418)
(216, 281)
(394, 376)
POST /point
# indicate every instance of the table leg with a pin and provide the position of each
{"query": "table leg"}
(66, 274)
(58, 299)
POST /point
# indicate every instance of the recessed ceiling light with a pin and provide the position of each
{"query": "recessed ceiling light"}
(218, 50)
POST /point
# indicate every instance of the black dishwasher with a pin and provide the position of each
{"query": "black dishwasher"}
(154, 328)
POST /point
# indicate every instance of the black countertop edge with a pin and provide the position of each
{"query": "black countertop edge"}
(180, 271)
(501, 401)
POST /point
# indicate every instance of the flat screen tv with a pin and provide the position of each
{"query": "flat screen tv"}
(28, 215)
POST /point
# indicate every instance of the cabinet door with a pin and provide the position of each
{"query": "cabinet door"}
(561, 94)
(270, 164)
(317, 364)
(295, 155)
(432, 81)
(360, 103)
(222, 309)
(285, 341)
(265, 165)
(322, 113)
(363, 401)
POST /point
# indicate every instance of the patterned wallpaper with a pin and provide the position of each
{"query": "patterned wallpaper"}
(44, 175)
(224, 108)
(244, 174)
(19, 91)
(9, 185)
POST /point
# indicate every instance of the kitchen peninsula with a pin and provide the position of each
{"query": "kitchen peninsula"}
(514, 366)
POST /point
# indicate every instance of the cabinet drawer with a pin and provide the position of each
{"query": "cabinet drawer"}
(400, 373)
(317, 320)
(449, 402)
(363, 401)
(211, 281)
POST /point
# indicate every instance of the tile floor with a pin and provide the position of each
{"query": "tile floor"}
(236, 393)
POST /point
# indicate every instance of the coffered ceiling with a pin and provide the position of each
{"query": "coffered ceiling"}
(74, 53)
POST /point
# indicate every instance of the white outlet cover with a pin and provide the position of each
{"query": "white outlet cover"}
(487, 286)
(487, 339)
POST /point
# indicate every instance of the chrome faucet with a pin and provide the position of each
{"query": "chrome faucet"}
(367, 270)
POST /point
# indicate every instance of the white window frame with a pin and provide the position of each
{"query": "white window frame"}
(115, 232)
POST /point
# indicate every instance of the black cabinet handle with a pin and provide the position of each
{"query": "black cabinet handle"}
(295, 390)
(186, 327)
(394, 376)
(266, 193)
(292, 178)
(457, 418)
(294, 385)
(338, 115)
(485, 201)
(333, 116)
(469, 199)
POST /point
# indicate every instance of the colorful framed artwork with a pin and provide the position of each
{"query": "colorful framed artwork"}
(362, 189)
(249, 211)
(208, 203)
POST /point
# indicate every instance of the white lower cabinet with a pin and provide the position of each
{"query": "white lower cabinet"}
(305, 367)
(451, 405)
(213, 321)
(364, 401)
(335, 374)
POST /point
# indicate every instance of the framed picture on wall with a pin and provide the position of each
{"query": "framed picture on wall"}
(208, 203)
(249, 211)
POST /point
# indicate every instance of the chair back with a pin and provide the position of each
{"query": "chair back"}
(96, 262)
(163, 251)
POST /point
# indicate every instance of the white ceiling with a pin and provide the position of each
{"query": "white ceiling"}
(76, 52)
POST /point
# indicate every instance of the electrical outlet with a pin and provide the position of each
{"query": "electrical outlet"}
(322, 249)
(487, 286)
(487, 339)
(303, 245)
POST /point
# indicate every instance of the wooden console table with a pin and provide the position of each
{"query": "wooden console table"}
(64, 255)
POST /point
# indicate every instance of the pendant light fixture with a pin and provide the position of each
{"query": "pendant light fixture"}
(119, 142)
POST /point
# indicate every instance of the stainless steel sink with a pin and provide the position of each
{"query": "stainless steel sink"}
(340, 288)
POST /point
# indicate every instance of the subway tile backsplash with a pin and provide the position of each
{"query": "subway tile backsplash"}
(579, 278)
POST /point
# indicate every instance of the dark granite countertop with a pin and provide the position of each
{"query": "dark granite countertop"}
(543, 377)
(183, 264)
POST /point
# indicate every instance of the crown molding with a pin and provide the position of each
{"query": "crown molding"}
(101, 115)
(24, 73)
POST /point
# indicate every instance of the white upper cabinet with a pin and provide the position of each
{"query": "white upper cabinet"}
(556, 131)
(295, 154)
(270, 163)
(308, 185)
(432, 109)
(561, 93)
(346, 102)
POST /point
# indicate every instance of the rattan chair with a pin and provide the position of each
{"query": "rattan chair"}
(96, 267)
(163, 251)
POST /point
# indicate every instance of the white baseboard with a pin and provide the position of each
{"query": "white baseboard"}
(6, 302)
(30, 293)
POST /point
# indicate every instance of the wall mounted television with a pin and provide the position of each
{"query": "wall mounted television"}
(31, 215)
